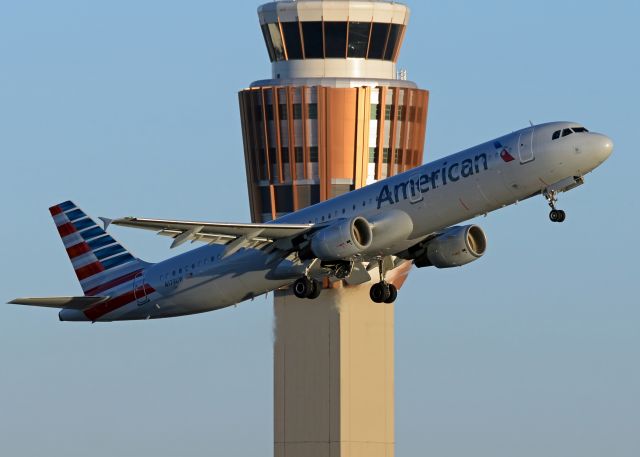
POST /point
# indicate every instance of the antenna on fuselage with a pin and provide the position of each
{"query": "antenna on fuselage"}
(530, 123)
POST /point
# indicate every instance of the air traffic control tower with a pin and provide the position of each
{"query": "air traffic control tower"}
(335, 115)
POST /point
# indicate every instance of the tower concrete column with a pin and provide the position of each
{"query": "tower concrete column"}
(334, 116)
(333, 373)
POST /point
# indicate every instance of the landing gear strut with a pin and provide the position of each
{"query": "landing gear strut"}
(556, 215)
(307, 288)
(383, 292)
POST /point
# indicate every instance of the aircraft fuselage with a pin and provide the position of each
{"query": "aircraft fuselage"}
(435, 196)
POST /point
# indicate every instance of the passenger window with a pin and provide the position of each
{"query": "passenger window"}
(556, 135)
(566, 132)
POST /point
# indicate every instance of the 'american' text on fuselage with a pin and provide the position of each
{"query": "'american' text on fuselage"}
(441, 176)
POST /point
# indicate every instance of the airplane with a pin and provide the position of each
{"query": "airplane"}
(410, 217)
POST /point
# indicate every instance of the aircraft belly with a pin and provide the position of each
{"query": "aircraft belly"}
(233, 280)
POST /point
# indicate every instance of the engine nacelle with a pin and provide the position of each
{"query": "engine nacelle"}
(453, 248)
(340, 241)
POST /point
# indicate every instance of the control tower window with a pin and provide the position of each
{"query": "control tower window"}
(312, 37)
(358, 39)
(267, 41)
(335, 39)
(276, 40)
(375, 111)
(394, 36)
(313, 154)
(379, 33)
(297, 111)
(282, 112)
(291, 33)
(313, 111)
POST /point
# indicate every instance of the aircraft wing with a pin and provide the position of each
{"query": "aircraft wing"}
(60, 302)
(233, 235)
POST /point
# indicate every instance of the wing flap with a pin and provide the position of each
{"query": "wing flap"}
(79, 303)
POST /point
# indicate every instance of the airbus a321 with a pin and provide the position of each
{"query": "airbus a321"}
(410, 217)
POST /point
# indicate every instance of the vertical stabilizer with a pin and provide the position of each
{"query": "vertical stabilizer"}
(100, 262)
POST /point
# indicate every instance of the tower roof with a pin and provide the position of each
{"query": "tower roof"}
(334, 10)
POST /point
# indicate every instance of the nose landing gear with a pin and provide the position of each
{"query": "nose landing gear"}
(555, 215)
(383, 292)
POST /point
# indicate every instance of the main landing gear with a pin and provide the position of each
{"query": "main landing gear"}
(556, 215)
(307, 288)
(383, 292)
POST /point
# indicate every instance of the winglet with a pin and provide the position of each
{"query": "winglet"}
(106, 222)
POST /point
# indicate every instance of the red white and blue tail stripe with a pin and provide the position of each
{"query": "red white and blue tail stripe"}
(100, 262)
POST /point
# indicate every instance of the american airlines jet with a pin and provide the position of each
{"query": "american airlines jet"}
(410, 217)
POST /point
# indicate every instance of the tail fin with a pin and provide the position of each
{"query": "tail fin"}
(100, 262)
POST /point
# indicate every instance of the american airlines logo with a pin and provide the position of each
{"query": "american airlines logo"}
(418, 185)
(504, 154)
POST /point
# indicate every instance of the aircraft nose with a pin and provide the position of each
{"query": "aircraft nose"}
(603, 147)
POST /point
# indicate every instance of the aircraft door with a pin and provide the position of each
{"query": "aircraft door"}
(525, 146)
(139, 289)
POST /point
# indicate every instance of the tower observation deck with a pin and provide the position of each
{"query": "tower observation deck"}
(335, 114)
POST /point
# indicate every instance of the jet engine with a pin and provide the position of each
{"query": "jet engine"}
(339, 241)
(455, 247)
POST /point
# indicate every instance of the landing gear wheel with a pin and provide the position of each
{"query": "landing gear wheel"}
(316, 288)
(562, 215)
(557, 215)
(302, 287)
(379, 292)
(393, 294)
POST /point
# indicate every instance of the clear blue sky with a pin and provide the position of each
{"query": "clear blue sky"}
(130, 108)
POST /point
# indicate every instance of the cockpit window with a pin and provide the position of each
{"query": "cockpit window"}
(566, 132)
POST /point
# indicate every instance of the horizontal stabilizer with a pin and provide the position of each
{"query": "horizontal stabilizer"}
(79, 303)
